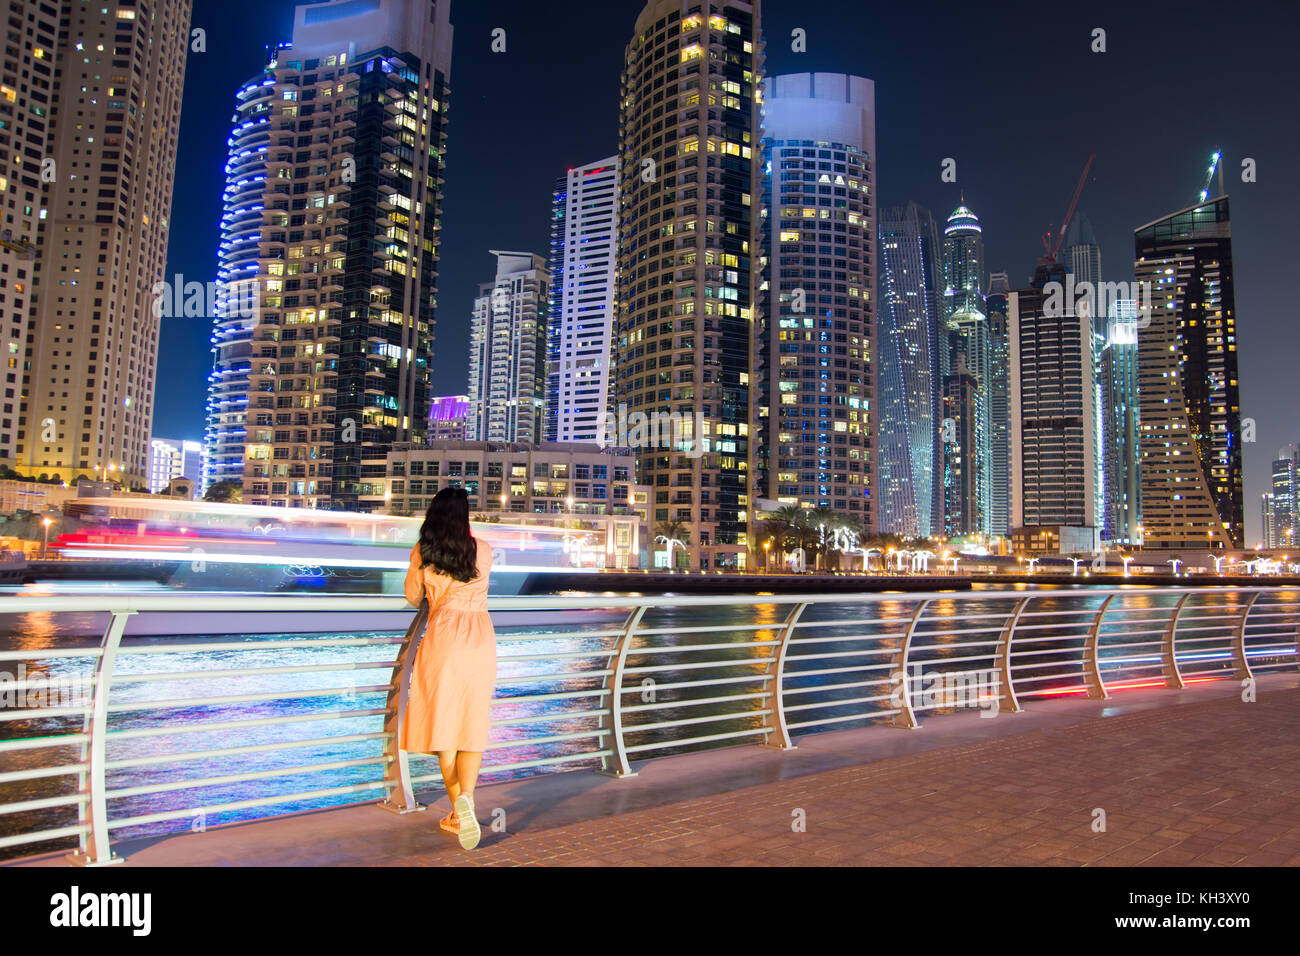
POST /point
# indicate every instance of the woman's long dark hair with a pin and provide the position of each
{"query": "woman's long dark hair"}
(446, 544)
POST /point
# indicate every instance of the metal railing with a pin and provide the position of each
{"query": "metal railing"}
(200, 706)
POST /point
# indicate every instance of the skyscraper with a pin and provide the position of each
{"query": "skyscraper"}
(819, 336)
(1187, 381)
(1283, 519)
(689, 126)
(238, 270)
(1121, 512)
(24, 135)
(908, 379)
(507, 351)
(999, 406)
(1050, 384)
(348, 162)
(1082, 258)
(105, 182)
(967, 335)
(584, 232)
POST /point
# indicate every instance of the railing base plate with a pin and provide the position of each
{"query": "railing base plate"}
(779, 746)
(615, 774)
(77, 858)
(399, 809)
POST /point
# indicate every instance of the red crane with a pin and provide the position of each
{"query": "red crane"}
(1053, 247)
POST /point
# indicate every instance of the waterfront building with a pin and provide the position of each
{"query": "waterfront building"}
(1121, 513)
(584, 234)
(448, 418)
(97, 207)
(966, 334)
(1190, 414)
(689, 125)
(819, 325)
(1283, 519)
(1050, 382)
(910, 460)
(507, 351)
(342, 137)
(588, 488)
(999, 406)
(171, 458)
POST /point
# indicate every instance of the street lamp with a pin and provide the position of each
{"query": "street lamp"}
(45, 544)
(767, 556)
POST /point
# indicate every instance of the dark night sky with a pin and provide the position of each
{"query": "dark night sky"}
(1011, 91)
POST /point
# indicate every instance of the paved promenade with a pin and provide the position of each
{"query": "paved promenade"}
(1187, 777)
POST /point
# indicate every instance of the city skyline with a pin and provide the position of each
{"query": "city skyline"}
(1145, 178)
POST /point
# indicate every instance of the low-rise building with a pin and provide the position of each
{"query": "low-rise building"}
(577, 485)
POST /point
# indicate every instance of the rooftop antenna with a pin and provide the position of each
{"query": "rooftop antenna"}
(1215, 165)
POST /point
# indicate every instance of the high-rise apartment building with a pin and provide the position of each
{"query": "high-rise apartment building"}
(819, 325)
(967, 335)
(963, 409)
(1121, 513)
(344, 134)
(1050, 382)
(507, 351)
(910, 463)
(100, 208)
(1283, 519)
(27, 93)
(998, 398)
(1268, 521)
(1190, 415)
(689, 125)
(239, 272)
(1082, 258)
(173, 458)
(584, 235)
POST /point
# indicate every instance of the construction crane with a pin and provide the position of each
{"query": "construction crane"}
(1209, 176)
(1053, 246)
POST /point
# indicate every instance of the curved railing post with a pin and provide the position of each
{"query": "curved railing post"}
(1173, 678)
(95, 849)
(615, 764)
(1009, 703)
(400, 797)
(906, 716)
(1092, 663)
(774, 722)
(1240, 664)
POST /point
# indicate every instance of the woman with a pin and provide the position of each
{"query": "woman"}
(454, 673)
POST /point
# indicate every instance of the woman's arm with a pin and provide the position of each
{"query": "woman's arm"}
(414, 583)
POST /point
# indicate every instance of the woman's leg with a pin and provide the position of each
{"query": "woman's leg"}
(450, 778)
(467, 764)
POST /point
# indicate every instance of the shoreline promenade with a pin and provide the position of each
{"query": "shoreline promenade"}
(1186, 777)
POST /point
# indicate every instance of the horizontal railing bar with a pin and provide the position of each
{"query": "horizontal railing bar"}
(195, 755)
(40, 773)
(306, 693)
(840, 639)
(40, 836)
(39, 743)
(655, 668)
(791, 691)
(536, 678)
(684, 721)
(305, 644)
(642, 748)
(686, 648)
(250, 671)
(543, 718)
(837, 703)
(139, 820)
(195, 784)
(180, 728)
(44, 803)
(693, 702)
(839, 720)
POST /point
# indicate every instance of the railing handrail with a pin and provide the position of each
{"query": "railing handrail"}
(232, 601)
(792, 671)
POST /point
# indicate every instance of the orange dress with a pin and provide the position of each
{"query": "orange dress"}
(454, 673)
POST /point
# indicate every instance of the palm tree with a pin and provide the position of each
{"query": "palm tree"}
(822, 521)
(673, 533)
